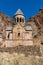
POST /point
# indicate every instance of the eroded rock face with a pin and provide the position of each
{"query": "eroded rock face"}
(37, 25)
(5, 20)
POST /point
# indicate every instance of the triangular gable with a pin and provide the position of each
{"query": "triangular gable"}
(18, 27)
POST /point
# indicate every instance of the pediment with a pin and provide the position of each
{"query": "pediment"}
(18, 27)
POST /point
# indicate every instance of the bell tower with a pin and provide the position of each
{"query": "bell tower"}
(19, 17)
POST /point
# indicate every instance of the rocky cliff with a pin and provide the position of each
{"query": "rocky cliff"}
(37, 25)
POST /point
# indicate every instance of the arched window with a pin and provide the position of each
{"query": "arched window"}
(20, 20)
(17, 19)
(18, 34)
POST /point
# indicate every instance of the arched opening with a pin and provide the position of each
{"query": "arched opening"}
(20, 20)
(18, 34)
(17, 19)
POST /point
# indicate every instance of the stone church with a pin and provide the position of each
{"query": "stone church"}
(17, 34)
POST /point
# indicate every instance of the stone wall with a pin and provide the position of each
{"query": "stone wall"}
(27, 50)
(13, 43)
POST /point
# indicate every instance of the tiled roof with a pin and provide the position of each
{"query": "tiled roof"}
(28, 27)
(9, 28)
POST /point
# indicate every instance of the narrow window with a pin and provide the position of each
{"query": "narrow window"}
(20, 20)
(18, 34)
(17, 19)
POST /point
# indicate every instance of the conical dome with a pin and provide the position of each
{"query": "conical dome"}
(19, 12)
(19, 16)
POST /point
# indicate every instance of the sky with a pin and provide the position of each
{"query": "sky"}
(28, 7)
